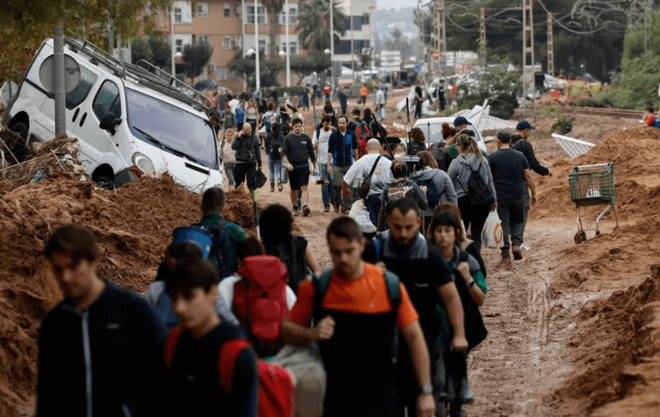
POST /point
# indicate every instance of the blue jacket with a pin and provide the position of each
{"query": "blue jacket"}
(341, 147)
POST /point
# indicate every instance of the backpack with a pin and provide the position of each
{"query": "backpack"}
(218, 253)
(365, 187)
(362, 130)
(362, 148)
(163, 309)
(439, 154)
(260, 300)
(401, 191)
(267, 118)
(275, 145)
(432, 194)
(475, 329)
(477, 190)
(276, 388)
(293, 257)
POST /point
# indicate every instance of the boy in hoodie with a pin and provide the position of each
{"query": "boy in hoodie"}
(98, 347)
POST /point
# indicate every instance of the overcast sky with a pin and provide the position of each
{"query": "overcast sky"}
(396, 4)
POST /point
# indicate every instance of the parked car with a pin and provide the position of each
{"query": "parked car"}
(128, 121)
(432, 128)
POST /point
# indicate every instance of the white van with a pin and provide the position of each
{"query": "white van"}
(432, 128)
(128, 121)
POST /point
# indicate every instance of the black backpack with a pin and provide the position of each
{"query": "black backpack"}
(475, 329)
(438, 153)
(292, 254)
(432, 194)
(477, 190)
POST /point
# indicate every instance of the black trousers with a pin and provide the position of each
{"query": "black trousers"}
(245, 172)
(474, 216)
(418, 109)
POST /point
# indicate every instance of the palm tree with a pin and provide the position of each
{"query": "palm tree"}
(274, 7)
(314, 24)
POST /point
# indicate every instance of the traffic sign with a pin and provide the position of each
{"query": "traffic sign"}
(71, 74)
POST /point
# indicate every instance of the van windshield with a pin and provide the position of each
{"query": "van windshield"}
(174, 127)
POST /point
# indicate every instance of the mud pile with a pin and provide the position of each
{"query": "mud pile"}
(133, 225)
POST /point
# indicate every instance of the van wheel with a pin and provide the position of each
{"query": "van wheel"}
(22, 129)
(105, 182)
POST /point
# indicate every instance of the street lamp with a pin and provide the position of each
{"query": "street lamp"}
(332, 43)
(288, 67)
(249, 53)
(327, 52)
(288, 46)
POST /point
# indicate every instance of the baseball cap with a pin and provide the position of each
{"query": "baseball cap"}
(524, 124)
(460, 120)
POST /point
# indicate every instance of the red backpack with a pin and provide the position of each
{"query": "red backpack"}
(276, 389)
(260, 300)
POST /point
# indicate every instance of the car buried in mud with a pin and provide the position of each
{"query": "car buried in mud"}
(128, 120)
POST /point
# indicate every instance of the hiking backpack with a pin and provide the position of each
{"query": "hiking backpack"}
(276, 387)
(477, 190)
(218, 253)
(432, 194)
(260, 301)
(362, 130)
(288, 251)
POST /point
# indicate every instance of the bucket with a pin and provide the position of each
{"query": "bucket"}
(193, 234)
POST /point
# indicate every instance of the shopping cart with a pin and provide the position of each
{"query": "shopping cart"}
(593, 185)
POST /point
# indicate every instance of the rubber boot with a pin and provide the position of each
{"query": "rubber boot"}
(465, 395)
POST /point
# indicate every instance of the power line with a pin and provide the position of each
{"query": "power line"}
(590, 32)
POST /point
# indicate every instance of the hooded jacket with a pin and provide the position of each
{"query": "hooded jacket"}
(461, 169)
(522, 145)
(442, 183)
(101, 361)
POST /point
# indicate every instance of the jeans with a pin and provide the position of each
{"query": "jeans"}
(525, 212)
(511, 212)
(274, 169)
(475, 216)
(338, 180)
(380, 112)
(229, 171)
(326, 189)
(373, 205)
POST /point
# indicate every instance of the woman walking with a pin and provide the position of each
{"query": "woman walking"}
(476, 196)
(274, 142)
(252, 115)
(439, 188)
(228, 156)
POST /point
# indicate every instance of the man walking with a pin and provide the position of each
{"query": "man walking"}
(342, 152)
(440, 95)
(379, 101)
(343, 100)
(321, 147)
(353, 313)
(297, 150)
(98, 347)
(419, 265)
(419, 99)
(374, 167)
(520, 142)
(248, 157)
(511, 174)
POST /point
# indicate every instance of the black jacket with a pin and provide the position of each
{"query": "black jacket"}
(104, 358)
(247, 148)
(273, 143)
(522, 145)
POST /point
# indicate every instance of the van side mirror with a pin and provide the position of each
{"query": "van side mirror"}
(109, 122)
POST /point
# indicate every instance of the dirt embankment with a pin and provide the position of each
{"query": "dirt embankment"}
(133, 226)
(613, 344)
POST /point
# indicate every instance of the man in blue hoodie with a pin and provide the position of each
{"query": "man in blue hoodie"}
(98, 347)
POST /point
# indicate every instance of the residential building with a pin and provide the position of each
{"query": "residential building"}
(219, 23)
(359, 27)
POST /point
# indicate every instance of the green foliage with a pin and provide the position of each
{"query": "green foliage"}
(161, 52)
(314, 24)
(140, 49)
(247, 67)
(269, 71)
(499, 86)
(195, 58)
(315, 61)
(565, 126)
(563, 123)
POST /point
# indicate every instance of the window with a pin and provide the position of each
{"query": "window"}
(221, 74)
(261, 15)
(365, 20)
(262, 47)
(79, 94)
(107, 101)
(293, 15)
(205, 74)
(227, 10)
(357, 23)
(203, 9)
(177, 15)
(227, 42)
(179, 45)
(204, 39)
(293, 45)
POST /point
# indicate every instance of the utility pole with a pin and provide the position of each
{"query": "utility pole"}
(482, 37)
(288, 46)
(332, 46)
(440, 36)
(58, 79)
(528, 53)
(551, 47)
(647, 25)
(420, 27)
(350, 15)
(256, 43)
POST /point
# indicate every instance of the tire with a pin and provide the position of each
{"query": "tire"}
(22, 129)
(105, 182)
(580, 237)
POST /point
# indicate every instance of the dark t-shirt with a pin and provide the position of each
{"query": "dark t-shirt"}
(418, 92)
(508, 168)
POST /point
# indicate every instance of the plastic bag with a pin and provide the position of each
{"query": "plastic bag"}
(360, 214)
(492, 235)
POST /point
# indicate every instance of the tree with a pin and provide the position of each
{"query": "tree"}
(161, 51)
(140, 49)
(274, 8)
(314, 24)
(195, 58)
(25, 25)
(315, 61)
(365, 61)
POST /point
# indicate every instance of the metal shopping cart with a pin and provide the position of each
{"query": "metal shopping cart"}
(593, 185)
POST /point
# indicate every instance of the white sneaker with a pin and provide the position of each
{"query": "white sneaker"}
(525, 248)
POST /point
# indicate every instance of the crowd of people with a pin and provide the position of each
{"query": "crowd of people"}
(244, 326)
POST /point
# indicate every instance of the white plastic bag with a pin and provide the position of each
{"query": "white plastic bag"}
(360, 214)
(492, 235)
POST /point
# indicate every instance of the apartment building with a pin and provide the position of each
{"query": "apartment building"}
(220, 24)
(359, 27)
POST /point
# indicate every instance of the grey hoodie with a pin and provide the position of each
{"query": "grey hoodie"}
(442, 183)
(461, 169)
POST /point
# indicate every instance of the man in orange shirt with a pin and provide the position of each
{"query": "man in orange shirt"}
(353, 313)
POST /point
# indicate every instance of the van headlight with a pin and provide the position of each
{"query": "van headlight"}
(143, 163)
